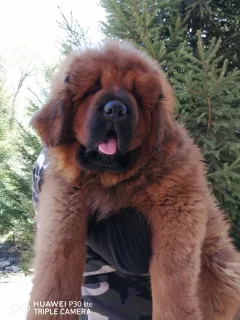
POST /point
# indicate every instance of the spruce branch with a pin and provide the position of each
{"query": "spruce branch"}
(205, 71)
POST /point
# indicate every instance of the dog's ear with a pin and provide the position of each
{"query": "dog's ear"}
(52, 121)
(162, 123)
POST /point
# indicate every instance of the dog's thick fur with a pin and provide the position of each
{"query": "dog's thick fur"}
(194, 269)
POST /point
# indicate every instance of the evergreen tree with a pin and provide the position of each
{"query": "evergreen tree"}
(16, 209)
(207, 86)
(22, 149)
(5, 139)
(17, 216)
(208, 97)
(215, 18)
(75, 35)
(4, 118)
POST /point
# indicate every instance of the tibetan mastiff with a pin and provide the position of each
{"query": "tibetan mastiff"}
(114, 143)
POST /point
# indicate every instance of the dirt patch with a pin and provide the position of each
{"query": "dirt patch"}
(14, 295)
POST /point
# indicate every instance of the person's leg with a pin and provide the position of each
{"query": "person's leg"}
(37, 176)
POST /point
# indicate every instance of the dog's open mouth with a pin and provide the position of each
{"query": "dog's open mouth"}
(109, 145)
(108, 154)
(95, 160)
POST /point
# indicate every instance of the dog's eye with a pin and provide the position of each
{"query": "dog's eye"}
(94, 89)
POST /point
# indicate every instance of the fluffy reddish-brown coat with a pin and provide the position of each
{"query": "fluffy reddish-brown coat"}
(195, 270)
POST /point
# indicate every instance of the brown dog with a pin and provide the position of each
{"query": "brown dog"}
(114, 144)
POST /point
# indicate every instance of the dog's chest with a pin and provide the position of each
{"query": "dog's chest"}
(108, 200)
(131, 193)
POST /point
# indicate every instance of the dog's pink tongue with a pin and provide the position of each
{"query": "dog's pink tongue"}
(109, 147)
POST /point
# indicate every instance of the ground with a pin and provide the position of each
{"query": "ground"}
(15, 286)
(14, 295)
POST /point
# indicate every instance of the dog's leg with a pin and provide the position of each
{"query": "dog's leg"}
(60, 251)
(220, 299)
(177, 235)
(219, 287)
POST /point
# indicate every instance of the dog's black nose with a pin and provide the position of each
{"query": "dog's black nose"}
(115, 109)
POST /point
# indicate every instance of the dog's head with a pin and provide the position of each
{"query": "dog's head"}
(108, 107)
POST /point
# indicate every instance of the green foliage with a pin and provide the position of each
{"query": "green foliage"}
(19, 149)
(208, 106)
(5, 139)
(201, 70)
(4, 120)
(16, 206)
(215, 18)
(75, 35)
(17, 220)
